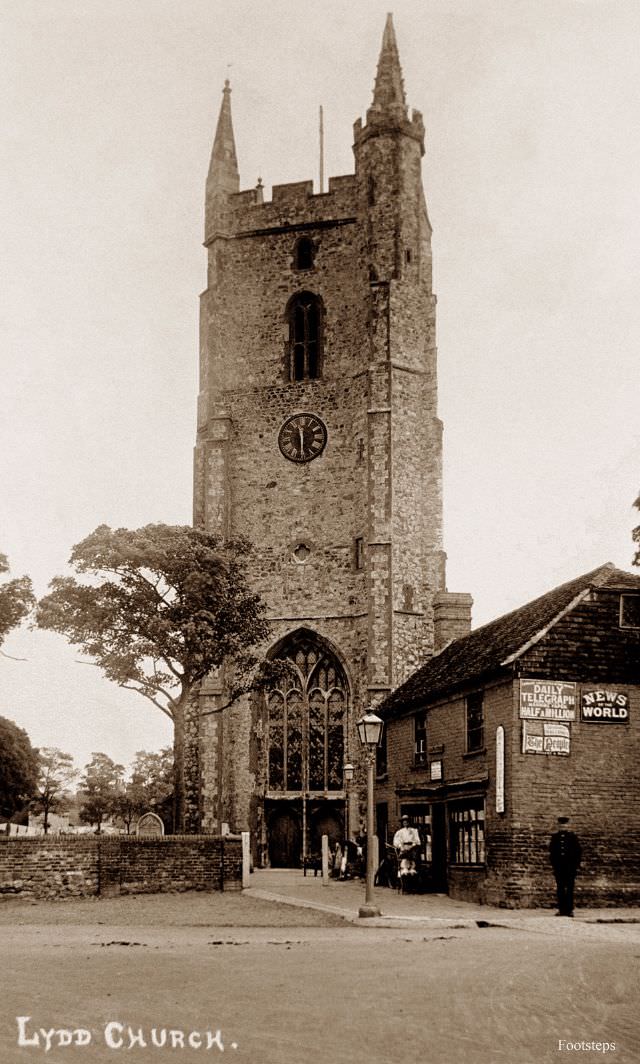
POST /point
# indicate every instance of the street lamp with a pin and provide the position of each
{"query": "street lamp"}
(347, 772)
(370, 732)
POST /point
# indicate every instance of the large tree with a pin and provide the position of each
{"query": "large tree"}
(16, 599)
(99, 789)
(162, 608)
(18, 767)
(56, 772)
(149, 786)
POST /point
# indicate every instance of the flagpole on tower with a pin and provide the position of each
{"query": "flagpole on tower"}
(321, 151)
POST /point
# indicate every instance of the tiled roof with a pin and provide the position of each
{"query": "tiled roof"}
(486, 649)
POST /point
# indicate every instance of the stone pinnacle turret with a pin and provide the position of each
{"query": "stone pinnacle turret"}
(223, 177)
(388, 93)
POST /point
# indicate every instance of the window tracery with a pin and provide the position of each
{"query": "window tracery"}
(306, 721)
(304, 314)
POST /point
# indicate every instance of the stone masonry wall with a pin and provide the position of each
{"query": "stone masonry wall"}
(62, 866)
(367, 511)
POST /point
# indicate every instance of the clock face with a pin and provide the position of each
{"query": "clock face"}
(302, 437)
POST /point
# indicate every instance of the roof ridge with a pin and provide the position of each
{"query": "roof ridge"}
(500, 641)
(593, 574)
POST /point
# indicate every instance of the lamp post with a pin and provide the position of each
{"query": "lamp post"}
(347, 772)
(370, 732)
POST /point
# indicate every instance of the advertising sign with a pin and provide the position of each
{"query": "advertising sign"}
(547, 700)
(543, 738)
(500, 769)
(604, 706)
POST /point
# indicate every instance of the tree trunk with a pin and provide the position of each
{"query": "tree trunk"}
(178, 766)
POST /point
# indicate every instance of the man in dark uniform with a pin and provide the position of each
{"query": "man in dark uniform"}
(565, 854)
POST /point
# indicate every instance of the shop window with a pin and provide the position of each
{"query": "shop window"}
(420, 739)
(630, 611)
(304, 315)
(475, 722)
(466, 824)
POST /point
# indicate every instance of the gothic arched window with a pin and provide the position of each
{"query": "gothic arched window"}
(306, 720)
(304, 314)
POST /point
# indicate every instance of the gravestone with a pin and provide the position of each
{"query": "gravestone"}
(150, 824)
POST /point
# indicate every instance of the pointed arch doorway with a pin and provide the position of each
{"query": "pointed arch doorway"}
(306, 727)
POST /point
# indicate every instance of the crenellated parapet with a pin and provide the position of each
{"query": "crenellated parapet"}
(292, 205)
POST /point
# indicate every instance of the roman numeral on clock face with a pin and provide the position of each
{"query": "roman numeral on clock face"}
(302, 437)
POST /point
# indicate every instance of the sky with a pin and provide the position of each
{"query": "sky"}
(109, 108)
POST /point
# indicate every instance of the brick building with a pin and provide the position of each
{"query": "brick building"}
(319, 440)
(534, 715)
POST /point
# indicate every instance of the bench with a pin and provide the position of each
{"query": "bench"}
(313, 862)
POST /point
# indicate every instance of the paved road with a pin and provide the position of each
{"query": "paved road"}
(298, 994)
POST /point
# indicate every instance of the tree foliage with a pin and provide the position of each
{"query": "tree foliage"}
(56, 772)
(149, 786)
(161, 608)
(99, 789)
(18, 767)
(636, 536)
(16, 600)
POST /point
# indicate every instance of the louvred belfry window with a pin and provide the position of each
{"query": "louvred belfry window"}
(305, 326)
(306, 721)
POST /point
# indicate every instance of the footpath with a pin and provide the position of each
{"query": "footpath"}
(344, 898)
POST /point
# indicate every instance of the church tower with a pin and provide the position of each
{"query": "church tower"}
(319, 441)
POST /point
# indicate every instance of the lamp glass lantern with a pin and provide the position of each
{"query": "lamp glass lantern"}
(370, 732)
(347, 771)
(370, 729)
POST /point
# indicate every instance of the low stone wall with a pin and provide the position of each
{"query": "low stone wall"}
(62, 866)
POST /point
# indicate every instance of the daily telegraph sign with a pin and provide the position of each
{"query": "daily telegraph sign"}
(605, 706)
(547, 700)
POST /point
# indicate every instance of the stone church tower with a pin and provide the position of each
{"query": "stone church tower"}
(319, 441)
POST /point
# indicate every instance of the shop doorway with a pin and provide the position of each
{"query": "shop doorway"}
(439, 848)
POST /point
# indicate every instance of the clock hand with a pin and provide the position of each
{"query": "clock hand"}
(301, 432)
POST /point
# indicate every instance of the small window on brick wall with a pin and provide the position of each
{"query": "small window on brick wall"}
(630, 611)
(420, 739)
(475, 721)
